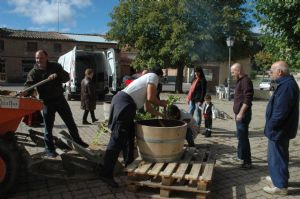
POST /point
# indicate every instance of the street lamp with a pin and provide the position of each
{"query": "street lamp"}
(229, 42)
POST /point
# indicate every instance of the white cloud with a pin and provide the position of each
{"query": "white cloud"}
(46, 11)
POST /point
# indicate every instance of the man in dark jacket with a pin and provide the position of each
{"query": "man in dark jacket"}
(282, 118)
(243, 96)
(52, 95)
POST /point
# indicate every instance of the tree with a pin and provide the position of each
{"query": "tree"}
(179, 32)
(263, 60)
(280, 21)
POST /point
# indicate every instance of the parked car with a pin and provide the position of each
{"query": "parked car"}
(267, 84)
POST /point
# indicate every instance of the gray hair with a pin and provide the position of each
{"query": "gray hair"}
(283, 68)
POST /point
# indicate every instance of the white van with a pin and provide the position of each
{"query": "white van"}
(75, 62)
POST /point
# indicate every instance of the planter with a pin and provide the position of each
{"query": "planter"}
(160, 140)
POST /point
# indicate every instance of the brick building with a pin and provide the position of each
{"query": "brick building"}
(18, 47)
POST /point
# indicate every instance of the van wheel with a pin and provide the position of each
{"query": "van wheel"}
(8, 166)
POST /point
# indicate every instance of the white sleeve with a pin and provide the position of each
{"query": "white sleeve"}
(152, 79)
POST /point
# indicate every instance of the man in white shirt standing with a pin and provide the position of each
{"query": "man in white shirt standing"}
(141, 92)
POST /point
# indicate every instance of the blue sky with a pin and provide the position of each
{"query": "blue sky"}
(75, 16)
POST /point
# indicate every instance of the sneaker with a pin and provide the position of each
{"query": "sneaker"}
(51, 154)
(269, 180)
(246, 166)
(86, 122)
(109, 181)
(276, 191)
(236, 159)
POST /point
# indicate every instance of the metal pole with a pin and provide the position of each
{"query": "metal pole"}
(229, 74)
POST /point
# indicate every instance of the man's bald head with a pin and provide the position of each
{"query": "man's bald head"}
(237, 70)
(236, 66)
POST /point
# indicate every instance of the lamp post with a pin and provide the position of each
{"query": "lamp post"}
(229, 42)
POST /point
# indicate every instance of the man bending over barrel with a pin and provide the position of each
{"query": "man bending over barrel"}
(141, 92)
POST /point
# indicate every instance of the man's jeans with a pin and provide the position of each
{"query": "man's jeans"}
(194, 109)
(242, 133)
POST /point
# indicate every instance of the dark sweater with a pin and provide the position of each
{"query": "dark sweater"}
(200, 91)
(51, 90)
(282, 113)
(243, 93)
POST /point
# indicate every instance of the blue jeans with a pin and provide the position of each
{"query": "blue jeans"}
(242, 133)
(62, 107)
(278, 161)
(195, 112)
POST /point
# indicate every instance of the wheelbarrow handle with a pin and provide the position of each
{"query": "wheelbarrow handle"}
(34, 85)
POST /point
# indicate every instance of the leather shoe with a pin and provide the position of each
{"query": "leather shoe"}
(83, 144)
(109, 181)
(86, 122)
(95, 120)
(246, 166)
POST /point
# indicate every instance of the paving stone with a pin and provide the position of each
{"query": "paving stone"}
(228, 182)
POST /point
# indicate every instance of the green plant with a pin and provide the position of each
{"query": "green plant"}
(103, 128)
(172, 99)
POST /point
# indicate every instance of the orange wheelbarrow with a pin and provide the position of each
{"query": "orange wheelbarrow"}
(12, 110)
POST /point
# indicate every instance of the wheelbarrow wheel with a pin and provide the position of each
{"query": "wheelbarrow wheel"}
(8, 166)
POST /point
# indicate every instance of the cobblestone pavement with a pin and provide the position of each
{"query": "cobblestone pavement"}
(228, 181)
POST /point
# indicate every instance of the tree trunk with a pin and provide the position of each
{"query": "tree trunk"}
(179, 78)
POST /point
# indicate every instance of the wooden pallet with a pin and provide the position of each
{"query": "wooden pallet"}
(193, 173)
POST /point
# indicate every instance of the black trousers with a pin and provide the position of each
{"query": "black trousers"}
(121, 123)
(86, 113)
(62, 107)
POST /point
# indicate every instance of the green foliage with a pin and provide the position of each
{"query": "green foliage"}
(103, 128)
(175, 33)
(281, 27)
(172, 99)
(263, 60)
(143, 116)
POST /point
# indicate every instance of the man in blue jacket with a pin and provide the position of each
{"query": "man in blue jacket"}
(282, 117)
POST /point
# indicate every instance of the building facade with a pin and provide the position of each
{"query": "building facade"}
(18, 47)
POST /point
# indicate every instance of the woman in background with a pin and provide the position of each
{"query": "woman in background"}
(88, 96)
(196, 94)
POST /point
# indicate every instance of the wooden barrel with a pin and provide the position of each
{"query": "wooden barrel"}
(106, 110)
(160, 140)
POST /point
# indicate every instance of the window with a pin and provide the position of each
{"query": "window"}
(208, 74)
(2, 70)
(1, 45)
(57, 47)
(27, 65)
(31, 46)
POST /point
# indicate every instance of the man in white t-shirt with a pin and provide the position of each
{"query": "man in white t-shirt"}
(141, 92)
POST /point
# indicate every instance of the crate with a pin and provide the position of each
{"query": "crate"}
(193, 174)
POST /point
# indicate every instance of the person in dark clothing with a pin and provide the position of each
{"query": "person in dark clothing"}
(88, 96)
(141, 92)
(52, 95)
(282, 119)
(196, 94)
(207, 110)
(242, 105)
